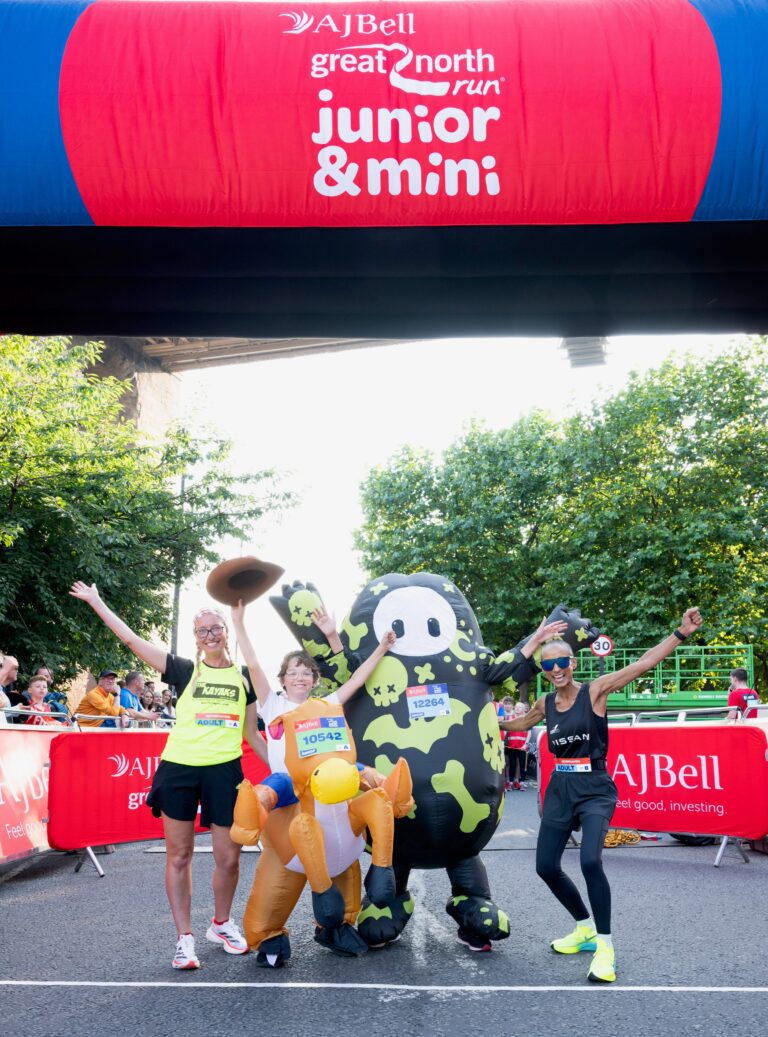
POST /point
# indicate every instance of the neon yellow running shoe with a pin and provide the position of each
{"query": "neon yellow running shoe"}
(603, 967)
(581, 939)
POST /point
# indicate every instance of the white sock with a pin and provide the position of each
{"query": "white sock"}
(606, 938)
(585, 923)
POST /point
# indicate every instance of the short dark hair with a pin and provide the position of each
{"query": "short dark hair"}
(305, 659)
(740, 674)
(131, 676)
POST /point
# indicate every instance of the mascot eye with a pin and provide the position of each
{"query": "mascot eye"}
(399, 627)
(433, 626)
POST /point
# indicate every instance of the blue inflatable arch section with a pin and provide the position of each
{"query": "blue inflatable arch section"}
(383, 169)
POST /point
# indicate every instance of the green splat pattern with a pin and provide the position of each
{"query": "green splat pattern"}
(424, 674)
(371, 911)
(316, 649)
(420, 734)
(355, 633)
(488, 726)
(451, 781)
(466, 654)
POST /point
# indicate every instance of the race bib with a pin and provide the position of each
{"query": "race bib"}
(321, 735)
(217, 719)
(428, 700)
(573, 766)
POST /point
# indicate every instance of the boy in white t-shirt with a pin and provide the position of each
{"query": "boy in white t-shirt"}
(298, 675)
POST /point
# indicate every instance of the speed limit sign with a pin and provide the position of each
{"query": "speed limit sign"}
(602, 646)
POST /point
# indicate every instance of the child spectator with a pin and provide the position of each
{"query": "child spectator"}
(40, 710)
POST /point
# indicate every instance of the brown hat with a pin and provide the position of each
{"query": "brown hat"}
(242, 578)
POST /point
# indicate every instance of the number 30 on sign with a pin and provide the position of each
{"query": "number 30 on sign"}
(602, 646)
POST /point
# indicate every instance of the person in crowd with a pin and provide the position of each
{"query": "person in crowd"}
(147, 699)
(505, 711)
(41, 713)
(9, 671)
(516, 746)
(741, 696)
(56, 699)
(581, 792)
(101, 705)
(169, 708)
(200, 767)
(5, 702)
(130, 698)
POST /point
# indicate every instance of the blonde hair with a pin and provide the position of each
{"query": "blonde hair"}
(201, 648)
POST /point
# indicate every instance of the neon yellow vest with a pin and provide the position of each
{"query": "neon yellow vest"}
(209, 719)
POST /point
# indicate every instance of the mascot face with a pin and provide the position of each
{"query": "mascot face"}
(428, 701)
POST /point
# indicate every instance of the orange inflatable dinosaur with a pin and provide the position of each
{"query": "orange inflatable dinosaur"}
(317, 837)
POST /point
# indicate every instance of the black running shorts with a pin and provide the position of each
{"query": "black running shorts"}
(177, 791)
(570, 796)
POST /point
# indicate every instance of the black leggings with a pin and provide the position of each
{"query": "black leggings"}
(549, 852)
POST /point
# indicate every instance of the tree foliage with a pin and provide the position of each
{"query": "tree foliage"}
(83, 496)
(646, 502)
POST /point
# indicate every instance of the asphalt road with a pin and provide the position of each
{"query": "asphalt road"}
(690, 941)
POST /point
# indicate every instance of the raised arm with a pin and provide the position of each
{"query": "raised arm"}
(530, 719)
(610, 682)
(363, 672)
(325, 622)
(148, 653)
(258, 677)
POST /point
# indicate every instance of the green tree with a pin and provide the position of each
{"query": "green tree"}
(476, 516)
(648, 501)
(83, 496)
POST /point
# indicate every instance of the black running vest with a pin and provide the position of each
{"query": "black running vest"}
(578, 732)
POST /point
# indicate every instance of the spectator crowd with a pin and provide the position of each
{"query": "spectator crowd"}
(111, 704)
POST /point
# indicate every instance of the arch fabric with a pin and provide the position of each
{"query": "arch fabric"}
(219, 114)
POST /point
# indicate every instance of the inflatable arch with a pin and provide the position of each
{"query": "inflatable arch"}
(383, 168)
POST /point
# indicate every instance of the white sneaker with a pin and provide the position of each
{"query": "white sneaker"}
(523, 786)
(229, 936)
(185, 957)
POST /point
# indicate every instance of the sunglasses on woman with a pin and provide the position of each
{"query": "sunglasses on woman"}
(563, 661)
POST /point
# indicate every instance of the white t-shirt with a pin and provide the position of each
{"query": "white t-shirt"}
(275, 706)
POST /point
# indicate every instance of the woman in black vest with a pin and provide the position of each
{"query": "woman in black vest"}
(581, 792)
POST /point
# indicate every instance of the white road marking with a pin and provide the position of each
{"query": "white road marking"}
(473, 988)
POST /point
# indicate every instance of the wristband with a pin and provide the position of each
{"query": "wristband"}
(680, 635)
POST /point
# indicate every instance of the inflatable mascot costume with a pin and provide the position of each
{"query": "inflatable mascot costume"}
(429, 700)
(326, 802)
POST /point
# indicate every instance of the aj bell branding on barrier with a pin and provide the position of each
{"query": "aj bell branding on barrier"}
(659, 771)
(462, 73)
(144, 766)
(344, 25)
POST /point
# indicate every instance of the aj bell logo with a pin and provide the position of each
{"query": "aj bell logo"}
(343, 25)
(142, 765)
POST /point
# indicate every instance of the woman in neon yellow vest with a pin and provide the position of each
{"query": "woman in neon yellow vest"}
(200, 766)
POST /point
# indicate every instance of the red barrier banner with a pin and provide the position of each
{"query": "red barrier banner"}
(99, 785)
(24, 755)
(705, 779)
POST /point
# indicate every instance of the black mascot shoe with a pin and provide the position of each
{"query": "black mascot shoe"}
(380, 885)
(274, 952)
(328, 908)
(342, 940)
(379, 926)
(479, 920)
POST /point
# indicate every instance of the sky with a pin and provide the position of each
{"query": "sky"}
(325, 420)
